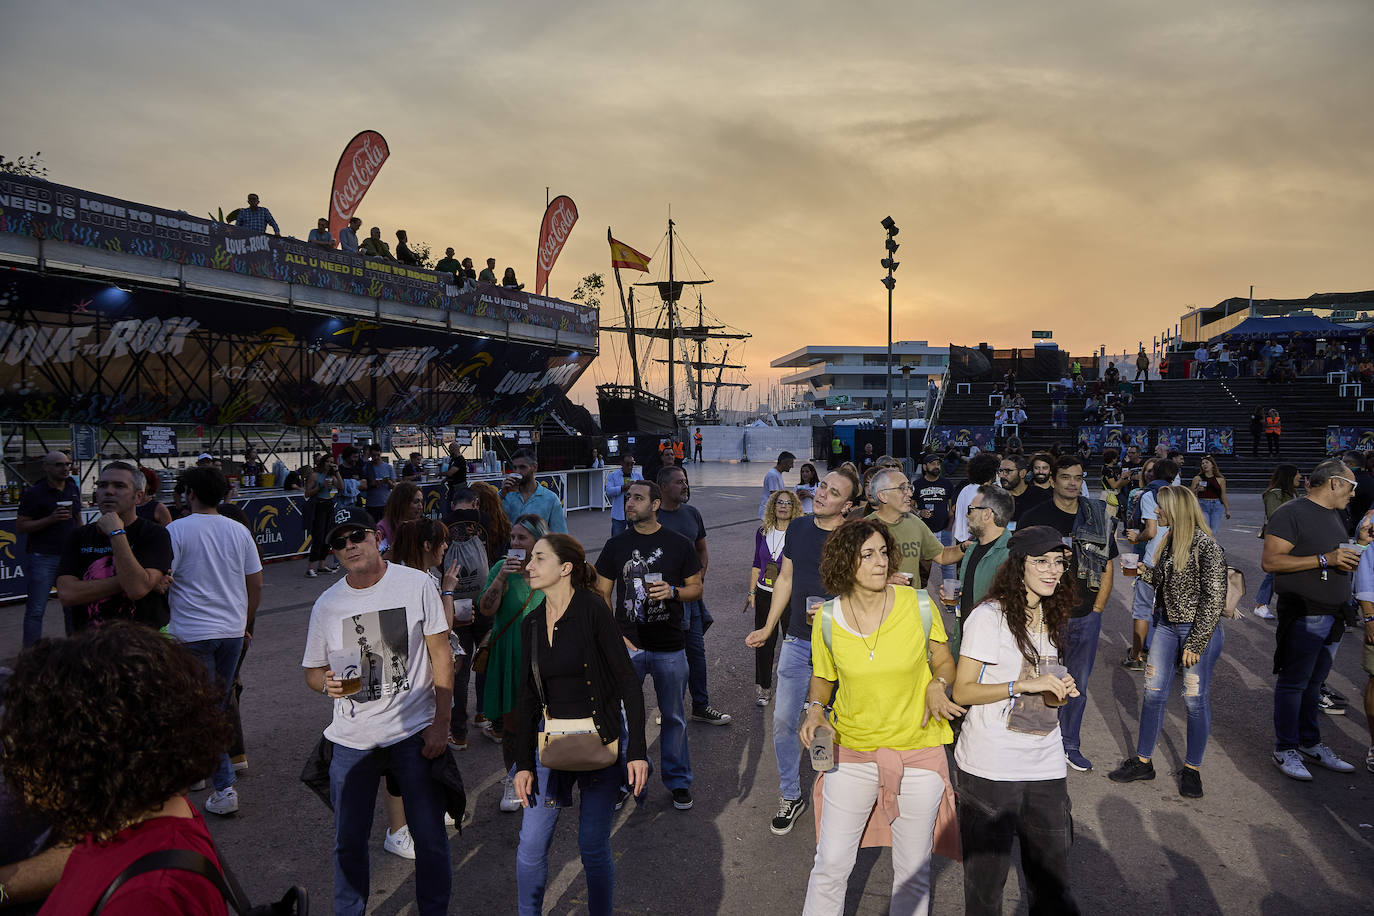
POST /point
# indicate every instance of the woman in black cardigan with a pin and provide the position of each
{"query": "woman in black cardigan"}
(585, 671)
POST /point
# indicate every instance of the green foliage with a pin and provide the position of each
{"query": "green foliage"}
(421, 250)
(27, 166)
(589, 290)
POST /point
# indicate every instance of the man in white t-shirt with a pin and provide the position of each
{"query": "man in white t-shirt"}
(394, 716)
(982, 469)
(772, 481)
(216, 587)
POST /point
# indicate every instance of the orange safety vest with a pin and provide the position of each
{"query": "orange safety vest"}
(677, 450)
(697, 438)
(1273, 426)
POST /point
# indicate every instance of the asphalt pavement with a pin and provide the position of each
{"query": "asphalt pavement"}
(1258, 842)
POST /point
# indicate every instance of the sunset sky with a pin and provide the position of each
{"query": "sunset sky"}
(1094, 167)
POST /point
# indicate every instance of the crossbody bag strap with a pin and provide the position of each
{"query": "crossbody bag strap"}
(513, 621)
(171, 859)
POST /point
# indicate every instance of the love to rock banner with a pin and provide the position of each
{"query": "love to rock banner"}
(39, 209)
(82, 351)
(1198, 440)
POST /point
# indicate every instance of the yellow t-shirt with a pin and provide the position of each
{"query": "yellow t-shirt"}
(879, 703)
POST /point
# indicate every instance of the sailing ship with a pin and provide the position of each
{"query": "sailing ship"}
(633, 408)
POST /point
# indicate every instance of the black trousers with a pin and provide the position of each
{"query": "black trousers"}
(1037, 812)
(763, 656)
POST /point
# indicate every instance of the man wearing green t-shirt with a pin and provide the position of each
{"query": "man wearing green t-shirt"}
(449, 264)
(890, 491)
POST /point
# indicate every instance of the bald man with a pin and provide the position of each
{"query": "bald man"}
(48, 513)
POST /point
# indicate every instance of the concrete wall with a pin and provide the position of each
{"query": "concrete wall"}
(728, 443)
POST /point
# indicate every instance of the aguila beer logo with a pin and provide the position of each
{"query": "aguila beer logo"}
(7, 539)
(265, 528)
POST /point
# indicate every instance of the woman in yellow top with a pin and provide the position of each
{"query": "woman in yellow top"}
(891, 722)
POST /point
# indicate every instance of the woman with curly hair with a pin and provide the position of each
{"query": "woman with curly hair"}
(405, 504)
(138, 696)
(1012, 771)
(782, 506)
(886, 647)
(489, 501)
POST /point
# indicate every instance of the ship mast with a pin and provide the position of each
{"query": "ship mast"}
(672, 326)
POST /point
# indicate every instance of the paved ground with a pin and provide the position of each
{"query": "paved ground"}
(1257, 843)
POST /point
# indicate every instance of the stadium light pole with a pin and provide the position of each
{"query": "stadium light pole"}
(889, 281)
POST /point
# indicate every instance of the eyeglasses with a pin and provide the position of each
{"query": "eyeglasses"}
(905, 488)
(1352, 483)
(971, 509)
(1048, 564)
(356, 536)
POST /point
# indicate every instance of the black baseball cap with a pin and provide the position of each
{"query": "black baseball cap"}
(348, 517)
(1036, 540)
(928, 457)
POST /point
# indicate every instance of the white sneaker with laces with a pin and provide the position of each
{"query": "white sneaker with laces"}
(400, 843)
(226, 802)
(1323, 756)
(762, 695)
(1290, 764)
(1262, 610)
(509, 800)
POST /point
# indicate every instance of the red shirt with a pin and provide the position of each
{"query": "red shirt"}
(93, 866)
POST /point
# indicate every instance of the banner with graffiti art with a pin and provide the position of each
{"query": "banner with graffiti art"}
(82, 351)
(358, 165)
(1093, 435)
(41, 210)
(943, 437)
(1123, 437)
(1344, 438)
(559, 217)
(1221, 440)
(1171, 437)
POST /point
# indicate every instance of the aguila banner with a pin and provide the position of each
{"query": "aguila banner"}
(559, 218)
(361, 161)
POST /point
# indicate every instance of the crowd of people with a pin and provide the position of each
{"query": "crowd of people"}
(257, 218)
(869, 678)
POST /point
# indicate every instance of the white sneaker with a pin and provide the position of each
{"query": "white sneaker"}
(1290, 764)
(449, 821)
(226, 802)
(400, 843)
(509, 800)
(1262, 610)
(762, 695)
(1323, 756)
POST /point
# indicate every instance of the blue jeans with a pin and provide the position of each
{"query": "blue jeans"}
(1079, 655)
(1266, 590)
(1214, 512)
(1305, 663)
(353, 778)
(221, 658)
(947, 571)
(40, 572)
(1165, 655)
(669, 670)
(618, 525)
(693, 622)
(599, 792)
(794, 680)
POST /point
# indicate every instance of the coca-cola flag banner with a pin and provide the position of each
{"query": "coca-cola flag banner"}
(361, 161)
(559, 218)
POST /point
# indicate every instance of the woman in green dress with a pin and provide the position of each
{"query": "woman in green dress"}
(507, 599)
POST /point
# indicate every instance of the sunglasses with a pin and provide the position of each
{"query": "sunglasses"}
(356, 536)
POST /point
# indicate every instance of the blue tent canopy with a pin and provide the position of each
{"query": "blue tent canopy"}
(1308, 327)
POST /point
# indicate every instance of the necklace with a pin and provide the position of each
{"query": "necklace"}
(877, 631)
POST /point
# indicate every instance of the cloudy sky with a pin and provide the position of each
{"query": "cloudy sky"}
(1090, 166)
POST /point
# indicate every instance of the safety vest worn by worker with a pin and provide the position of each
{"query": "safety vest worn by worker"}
(836, 446)
(1273, 426)
(677, 449)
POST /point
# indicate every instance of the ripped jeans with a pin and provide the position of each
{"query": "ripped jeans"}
(1166, 653)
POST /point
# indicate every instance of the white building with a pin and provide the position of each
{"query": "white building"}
(826, 374)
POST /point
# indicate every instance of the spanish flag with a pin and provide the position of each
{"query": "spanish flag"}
(623, 255)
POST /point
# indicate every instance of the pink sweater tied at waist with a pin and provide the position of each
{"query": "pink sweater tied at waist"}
(891, 763)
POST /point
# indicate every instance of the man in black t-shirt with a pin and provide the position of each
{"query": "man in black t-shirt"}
(933, 496)
(1039, 487)
(1087, 529)
(48, 511)
(116, 567)
(651, 571)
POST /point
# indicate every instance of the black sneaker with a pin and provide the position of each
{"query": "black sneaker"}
(1133, 663)
(1327, 703)
(622, 798)
(789, 809)
(1190, 783)
(1132, 769)
(682, 799)
(709, 714)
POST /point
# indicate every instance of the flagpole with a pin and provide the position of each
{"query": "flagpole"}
(629, 321)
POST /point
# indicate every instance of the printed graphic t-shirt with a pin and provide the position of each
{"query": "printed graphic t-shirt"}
(626, 559)
(89, 555)
(915, 542)
(387, 624)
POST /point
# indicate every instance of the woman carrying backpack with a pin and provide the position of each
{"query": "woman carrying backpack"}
(1189, 580)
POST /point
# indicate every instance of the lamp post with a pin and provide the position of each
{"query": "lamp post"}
(889, 281)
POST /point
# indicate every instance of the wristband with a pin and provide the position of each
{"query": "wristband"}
(116, 531)
(1011, 693)
(446, 594)
(325, 689)
(1321, 561)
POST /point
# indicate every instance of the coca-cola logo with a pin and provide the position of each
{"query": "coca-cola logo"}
(558, 223)
(364, 165)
